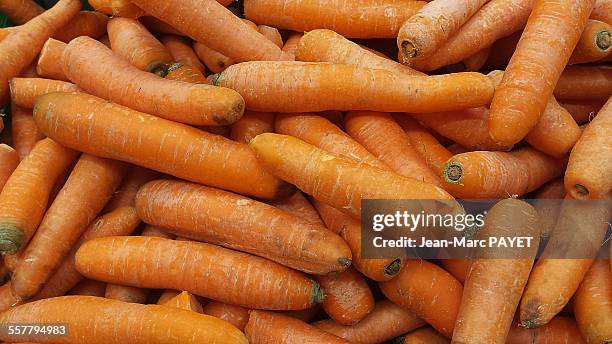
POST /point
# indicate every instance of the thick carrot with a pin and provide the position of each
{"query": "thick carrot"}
(25, 195)
(20, 11)
(180, 72)
(355, 19)
(585, 83)
(24, 131)
(135, 178)
(271, 328)
(348, 298)
(181, 51)
(425, 32)
(457, 267)
(385, 322)
(117, 8)
(602, 11)
(90, 185)
(558, 330)
(239, 223)
(323, 86)
(183, 102)
(235, 315)
(25, 90)
(483, 174)
(546, 202)
(535, 67)
(590, 161)
(595, 43)
(187, 301)
(85, 23)
(583, 111)
(50, 61)
(88, 287)
(593, 304)
(20, 48)
(199, 268)
(493, 287)
(211, 23)
(496, 19)
(214, 60)
(425, 335)
(272, 34)
(252, 124)
(9, 159)
(97, 320)
(188, 153)
(291, 44)
(327, 46)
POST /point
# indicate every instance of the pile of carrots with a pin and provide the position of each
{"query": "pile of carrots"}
(192, 171)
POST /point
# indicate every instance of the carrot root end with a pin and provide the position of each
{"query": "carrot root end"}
(452, 173)
(604, 40)
(344, 261)
(318, 294)
(580, 192)
(409, 50)
(216, 79)
(11, 239)
(393, 268)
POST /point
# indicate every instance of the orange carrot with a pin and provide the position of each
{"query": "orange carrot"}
(194, 154)
(25, 90)
(272, 34)
(424, 33)
(269, 328)
(187, 301)
(9, 159)
(355, 19)
(20, 11)
(323, 86)
(85, 23)
(595, 43)
(252, 124)
(180, 72)
(593, 304)
(215, 106)
(483, 174)
(476, 61)
(25, 195)
(585, 83)
(167, 295)
(291, 44)
(135, 178)
(386, 322)
(20, 48)
(234, 315)
(535, 67)
(214, 60)
(546, 202)
(590, 161)
(299, 206)
(602, 11)
(348, 298)
(24, 131)
(155, 25)
(50, 60)
(425, 335)
(558, 330)
(87, 323)
(117, 8)
(583, 111)
(181, 51)
(199, 268)
(457, 267)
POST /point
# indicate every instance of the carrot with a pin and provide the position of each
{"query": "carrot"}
(158, 26)
(322, 133)
(422, 34)
(327, 46)
(24, 197)
(593, 304)
(20, 11)
(493, 283)
(199, 268)
(188, 154)
(187, 301)
(234, 315)
(125, 294)
(558, 330)
(50, 60)
(483, 174)
(24, 131)
(7, 300)
(382, 136)
(355, 19)
(9, 159)
(583, 111)
(117, 8)
(228, 35)
(546, 202)
(167, 295)
(135, 178)
(584, 83)
(495, 19)
(291, 44)
(535, 67)
(182, 52)
(299, 206)
(20, 48)
(89, 187)
(591, 159)
(85, 23)
(348, 298)
(595, 43)
(97, 320)
(553, 281)
(25, 90)
(185, 73)
(457, 267)
(252, 124)
(502, 50)
(268, 328)
(224, 219)
(323, 86)
(425, 335)
(272, 34)
(88, 287)
(602, 11)
(386, 321)
(214, 60)
(475, 62)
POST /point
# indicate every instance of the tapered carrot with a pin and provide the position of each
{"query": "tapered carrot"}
(135, 178)
(117, 8)
(50, 60)
(242, 224)
(20, 48)
(194, 154)
(496, 19)
(591, 159)
(327, 46)
(425, 335)
(24, 197)
(184, 102)
(356, 19)
(386, 322)
(323, 86)
(199, 268)
(584, 83)
(9, 159)
(535, 67)
(214, 60)
(291, 44)
(272, 34)
(547, 203)
(85, 23)
(583, 111)
(457, 267)
(235, 315)
(348, 298)
(181, 51)
(20, 11)
(493, 287)
(180, 72)
(252, 124)
(593, 304)
(558, 330)
(595, 43)
(25, 90)
(88, 287)
(602, 11)
(187, 301)
(97, 320)
(24, 131)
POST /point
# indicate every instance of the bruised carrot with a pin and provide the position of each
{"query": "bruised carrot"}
(25, 90)
(88, 287)
(272, 34)
(24, 197)
(20, 48)
(197, 268)
(24, 131)
(87, 323)
(50, 60)
(590, 161)
(584, 83)
(558, 330)
(535, 67)
(117, 8)
(425, 335)
(595, 43)
(457, 267)
(135, 178)
(583, 111)
(355, 19)
(252, 124)
(385, 322)
(323, 86)
(20, 11)
(235, 315)
(602, 11)
(593, 304)
(291, 44)
(348, 298)
(181, 51)
(9, 159)
(185, 73)
(85, 23)
(546, 202)
(214, 60)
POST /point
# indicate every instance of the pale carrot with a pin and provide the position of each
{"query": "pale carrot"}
(181, 51)
(593, 304)
(291, 44)
(50, 60)
(180, 72)
(235, 315)
(20, 11)
(9, 159)
(348, 298)
(186, 301)
(88, 287)
(214, 60)
(272, 34)
(595, 43)
(24, 131)
(547, 201)
(24, 91)
(602, 11)
(85, 23)
(135, 178)
(117, 8)
(252, 124)
(425, 335)
(583, 111)
(561, 330)
(585, 83)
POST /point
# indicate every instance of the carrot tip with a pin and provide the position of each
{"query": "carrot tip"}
(408, 49)
(393, 268)
(232, 116)
(344, 261)
(11, 239)
(604, 40)
(159, 69)
(580, 192)
(318, 295)
(452, 172)
(216, 79)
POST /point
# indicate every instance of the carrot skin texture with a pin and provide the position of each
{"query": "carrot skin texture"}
(187, 301)
(9, 159)
(125, 294)
(87, 287)
(425, 335)
(25, 90)
(430, 149)
(186, 73)
(595, 43)
(196, 267)
(85, 23)
(235, 315)
(117, 8)
(181, 51)
(125, 195)
(291, 44)
(49, 63)
(602, 11)
(584, 83)
(583, 111)
(203, 158)
(593, 304)
(20, 11)
(214, 60)
(558, 330)
(24, 131)
(348, 298)
(252, 124)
